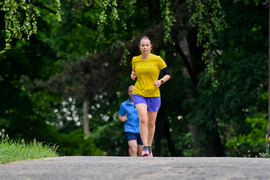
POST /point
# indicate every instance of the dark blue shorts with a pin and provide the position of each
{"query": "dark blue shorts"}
(153, 103)
(134, 136)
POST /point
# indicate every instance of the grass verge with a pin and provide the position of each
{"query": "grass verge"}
(11, 150)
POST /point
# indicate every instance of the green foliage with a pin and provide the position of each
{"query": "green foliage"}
(111, 138)
(169, 19)
(22, 107)
(21, 19)
(109, 20)
(17, 12)
(98, 21)
(209, 18)
(253, 143)
(76, 143)
(241, 71)
(12, 150)
(226, 106)
(264, 155)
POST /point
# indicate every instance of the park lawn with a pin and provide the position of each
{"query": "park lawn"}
(11, 150)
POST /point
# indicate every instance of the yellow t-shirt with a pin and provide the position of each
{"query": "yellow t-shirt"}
(147, 72)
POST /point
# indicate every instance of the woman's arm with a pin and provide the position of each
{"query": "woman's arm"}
(133, 75)
(165, 78)
(162, 80)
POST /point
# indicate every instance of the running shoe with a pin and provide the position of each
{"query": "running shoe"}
(150, 151)
(145, 151)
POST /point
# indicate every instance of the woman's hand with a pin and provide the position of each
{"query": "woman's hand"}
(157, 83)
(133, 75)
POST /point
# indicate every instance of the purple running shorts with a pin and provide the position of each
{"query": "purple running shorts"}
(153, 103)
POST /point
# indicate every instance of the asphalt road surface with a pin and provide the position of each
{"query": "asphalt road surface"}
(139, 168)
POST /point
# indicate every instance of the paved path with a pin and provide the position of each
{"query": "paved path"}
(125, 168)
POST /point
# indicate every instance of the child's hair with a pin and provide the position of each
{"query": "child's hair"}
(145, 37)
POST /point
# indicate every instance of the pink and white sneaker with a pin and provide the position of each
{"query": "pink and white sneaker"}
(150, 151)
(145, 151)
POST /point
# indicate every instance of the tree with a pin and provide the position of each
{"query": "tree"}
(22, 112)
(233, 100)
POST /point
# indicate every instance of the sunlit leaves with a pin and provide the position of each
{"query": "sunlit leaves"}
(20, 20)
(113, 15)
(169, 19)
(21, 17)
(58, 12)
(209, 17)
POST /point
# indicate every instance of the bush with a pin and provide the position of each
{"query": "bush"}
(78, 144)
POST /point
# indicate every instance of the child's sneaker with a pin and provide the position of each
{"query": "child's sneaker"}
(145, 151)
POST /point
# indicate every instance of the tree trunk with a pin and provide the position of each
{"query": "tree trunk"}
(195, 135)
(191, 54)
(215, 145)
(85, 117)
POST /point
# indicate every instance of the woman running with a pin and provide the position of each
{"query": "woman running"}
(146, 96)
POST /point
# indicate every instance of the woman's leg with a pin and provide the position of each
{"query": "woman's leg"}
(152, 116)
(143, 117)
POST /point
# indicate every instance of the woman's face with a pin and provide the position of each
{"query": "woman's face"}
(145, 46)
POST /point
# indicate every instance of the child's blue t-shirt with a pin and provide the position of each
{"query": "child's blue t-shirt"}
(132, 122)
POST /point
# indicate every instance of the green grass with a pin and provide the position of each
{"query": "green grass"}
(11, 150)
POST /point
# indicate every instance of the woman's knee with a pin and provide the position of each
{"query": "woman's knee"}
(152, 119)
(143, 119)
(151, 125)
